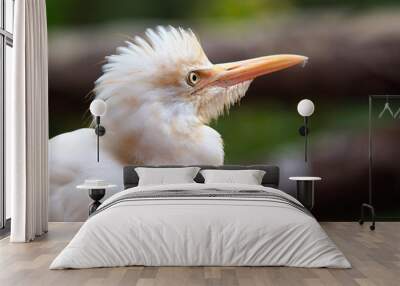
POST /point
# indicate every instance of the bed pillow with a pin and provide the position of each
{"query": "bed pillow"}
(164, 176)
(248, 177)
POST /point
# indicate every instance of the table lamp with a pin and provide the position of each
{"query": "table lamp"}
(305, 108)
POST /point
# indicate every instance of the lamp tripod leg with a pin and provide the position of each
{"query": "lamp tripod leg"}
(372, 211)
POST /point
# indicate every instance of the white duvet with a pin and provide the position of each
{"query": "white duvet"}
(200, 231)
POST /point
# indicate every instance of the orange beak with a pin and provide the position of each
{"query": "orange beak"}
(228, 74)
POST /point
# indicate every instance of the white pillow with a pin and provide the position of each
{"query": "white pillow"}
(163, 176)
(248, 177)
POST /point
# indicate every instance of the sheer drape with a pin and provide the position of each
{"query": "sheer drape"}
(27, 123)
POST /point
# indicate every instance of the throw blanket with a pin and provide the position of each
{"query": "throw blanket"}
(206, 194)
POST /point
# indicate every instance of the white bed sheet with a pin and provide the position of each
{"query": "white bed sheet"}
(200, 231)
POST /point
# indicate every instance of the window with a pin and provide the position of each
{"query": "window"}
(6, 45)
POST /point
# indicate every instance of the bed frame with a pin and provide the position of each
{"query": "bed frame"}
(270, 179)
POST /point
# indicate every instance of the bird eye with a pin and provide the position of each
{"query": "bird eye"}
(192, 78)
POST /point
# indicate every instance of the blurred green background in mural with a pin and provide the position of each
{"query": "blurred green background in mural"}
(353, 49)
(76, 12)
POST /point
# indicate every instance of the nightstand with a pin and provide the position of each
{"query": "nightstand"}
(96, 193)
(305, 190)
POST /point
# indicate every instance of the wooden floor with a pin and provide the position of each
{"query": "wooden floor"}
(375, 257)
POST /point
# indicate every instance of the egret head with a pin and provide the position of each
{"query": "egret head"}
(168, 68)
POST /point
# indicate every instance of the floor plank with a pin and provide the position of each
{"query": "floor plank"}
(375, 257)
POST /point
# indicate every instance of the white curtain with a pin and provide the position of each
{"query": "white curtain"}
(27, 123)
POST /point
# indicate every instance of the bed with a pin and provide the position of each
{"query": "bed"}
(199, 224)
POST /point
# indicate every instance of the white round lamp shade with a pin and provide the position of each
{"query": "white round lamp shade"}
(98, 107)
(305, 107)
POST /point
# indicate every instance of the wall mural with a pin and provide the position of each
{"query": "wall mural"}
(161, 94)
(170, 102)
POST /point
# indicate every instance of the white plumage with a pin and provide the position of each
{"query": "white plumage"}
(161, 93)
